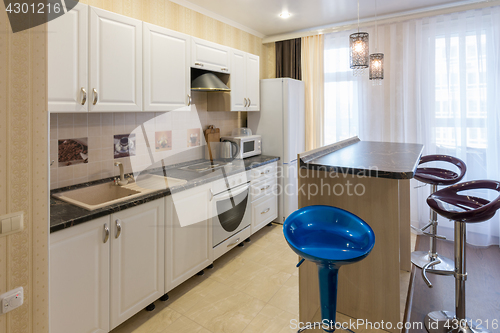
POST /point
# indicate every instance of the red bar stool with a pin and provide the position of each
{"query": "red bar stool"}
(430, 260)
(462, 209)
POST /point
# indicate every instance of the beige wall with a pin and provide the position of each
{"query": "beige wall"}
(23, 173)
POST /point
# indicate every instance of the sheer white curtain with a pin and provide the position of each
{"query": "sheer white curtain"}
(441, 89)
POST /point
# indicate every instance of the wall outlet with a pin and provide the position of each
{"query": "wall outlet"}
(12, 299)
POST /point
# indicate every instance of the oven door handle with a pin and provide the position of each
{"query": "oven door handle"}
(232, 192)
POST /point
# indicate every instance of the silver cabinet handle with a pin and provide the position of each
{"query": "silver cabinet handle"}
(249, 102)
(96, 96)
(246, 102)
(265, 188)
(189, 100)
(106, 233)
(198, 64)
(266, 211)
(118, 228)
(224, 69)
(84, 96)
(234, 243)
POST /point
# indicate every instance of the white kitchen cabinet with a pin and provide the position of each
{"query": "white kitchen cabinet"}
(210, 56)
(79, 278)
(68, 61)
(167, 73)
(253, 80)
(238, 81)
(115, 62)
(244, 81)
(137, 259)
(188, 235)
(264, 211)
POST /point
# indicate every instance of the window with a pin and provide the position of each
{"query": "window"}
(461, 108)
(340, 118)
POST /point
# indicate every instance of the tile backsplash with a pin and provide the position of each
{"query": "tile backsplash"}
(101, 128)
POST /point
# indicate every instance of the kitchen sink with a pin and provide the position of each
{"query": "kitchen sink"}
(102, 195)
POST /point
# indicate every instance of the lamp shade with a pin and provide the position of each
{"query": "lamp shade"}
(360, 52)
(377, 66)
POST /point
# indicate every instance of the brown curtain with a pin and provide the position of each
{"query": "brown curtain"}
(288, 59)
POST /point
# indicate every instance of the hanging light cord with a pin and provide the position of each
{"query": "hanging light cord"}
(376, 28)
(358, 16)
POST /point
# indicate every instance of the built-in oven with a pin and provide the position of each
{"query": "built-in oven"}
(232, 212)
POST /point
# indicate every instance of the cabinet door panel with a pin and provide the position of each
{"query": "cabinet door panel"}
(252, 80)
(188, 247)
(115, 62)
(79, 279)
(238, 80)
(137, 259)
(210, 56)
(167, 74)
(68, 61)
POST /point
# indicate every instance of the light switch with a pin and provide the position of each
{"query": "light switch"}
(6, 225)
(17, 222)
(11, 223)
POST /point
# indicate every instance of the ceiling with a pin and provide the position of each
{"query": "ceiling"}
(263, 15)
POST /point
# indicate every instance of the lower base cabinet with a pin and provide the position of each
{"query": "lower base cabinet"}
(79, 278)
(188, 246)
(104, 271)
(137, 259)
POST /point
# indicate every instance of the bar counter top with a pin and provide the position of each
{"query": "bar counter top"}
(374, 159)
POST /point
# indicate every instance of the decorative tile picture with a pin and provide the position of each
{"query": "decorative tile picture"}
(124, 145)
(193, 137)
(163, 141)
(73, 151)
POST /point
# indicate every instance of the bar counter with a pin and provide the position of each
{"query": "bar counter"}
(372, 181)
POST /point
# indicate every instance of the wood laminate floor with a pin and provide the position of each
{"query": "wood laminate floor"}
(482, 289)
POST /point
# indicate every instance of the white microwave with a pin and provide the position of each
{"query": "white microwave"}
(248, 146)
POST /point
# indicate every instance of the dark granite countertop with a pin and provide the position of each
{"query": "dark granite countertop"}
(64, 215)
(368, 158)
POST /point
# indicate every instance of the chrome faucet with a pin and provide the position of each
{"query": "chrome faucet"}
(122, 181)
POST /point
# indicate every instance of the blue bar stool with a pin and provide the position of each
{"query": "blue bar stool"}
(431, 260)
(462, 209)
(330, 237)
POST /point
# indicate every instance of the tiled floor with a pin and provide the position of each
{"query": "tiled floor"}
(252, 289)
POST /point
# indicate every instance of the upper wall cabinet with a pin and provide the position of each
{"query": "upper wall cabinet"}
(167, 74)
(115, 62)
(253, 88)
(244, 81)
(210, 56)
(68, 61)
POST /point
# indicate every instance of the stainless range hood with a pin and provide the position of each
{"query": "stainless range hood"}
(208, 82)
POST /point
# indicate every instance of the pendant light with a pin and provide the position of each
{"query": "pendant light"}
(376, 59)
(359, 47)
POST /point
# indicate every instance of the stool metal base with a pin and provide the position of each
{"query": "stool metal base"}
(442, 322)
(421, 258)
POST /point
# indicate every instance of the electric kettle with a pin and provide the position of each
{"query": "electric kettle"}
(228, 150)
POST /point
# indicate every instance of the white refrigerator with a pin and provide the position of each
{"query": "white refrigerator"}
(281, 122)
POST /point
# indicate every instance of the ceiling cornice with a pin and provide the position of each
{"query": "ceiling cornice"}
(209, 13)
(384, 19)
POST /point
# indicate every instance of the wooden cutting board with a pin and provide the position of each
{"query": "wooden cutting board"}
(212, 134)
